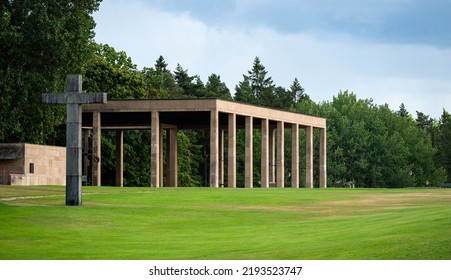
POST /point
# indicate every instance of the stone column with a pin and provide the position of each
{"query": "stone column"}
(119, 158)
(295, 155)
(280, 166)
(86, 151)
(155, 150)
(221, 158)
(161, 145)
(309, 157)
(231, 152)
(165, 169)
(322, 158)
(173, 158)
(96, 149)
(248, 151)
(214, 149)
(272, 155)
(265, 154)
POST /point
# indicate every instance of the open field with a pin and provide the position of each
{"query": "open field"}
(204, 223)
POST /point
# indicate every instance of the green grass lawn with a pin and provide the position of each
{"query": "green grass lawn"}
(204, 223)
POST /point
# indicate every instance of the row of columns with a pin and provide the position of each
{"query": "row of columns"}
(270, 172)
(272, 153)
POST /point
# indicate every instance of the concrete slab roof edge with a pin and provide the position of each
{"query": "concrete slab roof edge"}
(205, 104)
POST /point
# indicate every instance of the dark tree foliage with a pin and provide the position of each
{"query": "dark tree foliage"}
(403, 111)
(184, 82)
(216, 88)
(297, 92)
(159, 81)
(40, 43)
(258, 88)
(161, 65)
(113, 72)
(444, 143)
(373, 146)
(243, 91)
(261, 85)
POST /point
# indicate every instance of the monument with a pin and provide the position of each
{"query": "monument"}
(74, 99)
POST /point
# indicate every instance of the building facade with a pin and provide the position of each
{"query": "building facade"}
(28, 164)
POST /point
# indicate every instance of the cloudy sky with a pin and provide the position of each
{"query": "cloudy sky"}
(393, 51)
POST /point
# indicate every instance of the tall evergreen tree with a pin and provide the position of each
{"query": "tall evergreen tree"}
(403, 111)
(184, 81)
(262, 86)
(159, 80)
(217, 88)
(161, 65)
(297, 91)
(243, 91)
(424, 121)
(198, 88)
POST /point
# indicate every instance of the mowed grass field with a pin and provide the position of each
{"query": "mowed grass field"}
(204, 223)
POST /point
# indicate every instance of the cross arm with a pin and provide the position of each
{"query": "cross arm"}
(74, 98)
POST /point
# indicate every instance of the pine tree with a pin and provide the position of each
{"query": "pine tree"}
(262, 86)
(243, 91)
(161, 66)
(216, 88)
(402, 111)
(159, 81)
(297, 91)
(184, 81)
(198, 88)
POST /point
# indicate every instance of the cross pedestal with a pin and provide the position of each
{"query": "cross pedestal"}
(73, 98)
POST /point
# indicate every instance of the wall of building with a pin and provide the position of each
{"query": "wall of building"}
(11, 162)
(39, 165)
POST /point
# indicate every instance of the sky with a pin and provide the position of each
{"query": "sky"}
(390, 51)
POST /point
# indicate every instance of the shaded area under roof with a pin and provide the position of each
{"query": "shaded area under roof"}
(186, 114)
(11, 151)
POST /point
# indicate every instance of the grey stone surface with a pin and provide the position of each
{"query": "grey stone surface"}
(73, 192)
(74, 98)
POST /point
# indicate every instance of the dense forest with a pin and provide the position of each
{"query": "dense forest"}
(369, 145)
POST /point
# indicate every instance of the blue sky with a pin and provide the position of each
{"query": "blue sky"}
(393, 51)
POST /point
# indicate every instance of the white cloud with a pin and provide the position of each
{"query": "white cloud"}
(414, 75)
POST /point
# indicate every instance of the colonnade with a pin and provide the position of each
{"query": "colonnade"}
(272, 154)
(272, 163)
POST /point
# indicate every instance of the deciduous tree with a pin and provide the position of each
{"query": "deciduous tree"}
(41, 41)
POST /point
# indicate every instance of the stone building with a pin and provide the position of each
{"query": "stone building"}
(217, 117)
(28, 164)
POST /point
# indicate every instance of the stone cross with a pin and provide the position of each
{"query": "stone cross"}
(73, 98)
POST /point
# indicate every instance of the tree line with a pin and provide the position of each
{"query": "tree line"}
(42, 41)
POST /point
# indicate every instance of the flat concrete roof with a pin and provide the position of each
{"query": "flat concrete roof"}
(188, 113)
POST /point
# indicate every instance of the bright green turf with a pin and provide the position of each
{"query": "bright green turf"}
(203, 223)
